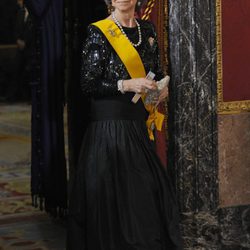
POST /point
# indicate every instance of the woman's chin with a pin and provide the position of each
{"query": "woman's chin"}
(125, 8)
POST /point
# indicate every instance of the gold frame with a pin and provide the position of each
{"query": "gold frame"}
(233, 107)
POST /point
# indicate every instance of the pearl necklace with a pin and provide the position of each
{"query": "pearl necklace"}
(123, 32)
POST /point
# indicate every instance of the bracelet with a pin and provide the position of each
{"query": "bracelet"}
(120, 86)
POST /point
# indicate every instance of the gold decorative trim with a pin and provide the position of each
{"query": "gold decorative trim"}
(225, 107)
(149, 9)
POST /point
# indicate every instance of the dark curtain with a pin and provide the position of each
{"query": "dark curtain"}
(79, 15)
(48, 165)
(8, 13)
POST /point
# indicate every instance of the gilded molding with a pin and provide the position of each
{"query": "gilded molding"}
(225, 107)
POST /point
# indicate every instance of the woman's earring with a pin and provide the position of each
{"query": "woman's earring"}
(111, 8)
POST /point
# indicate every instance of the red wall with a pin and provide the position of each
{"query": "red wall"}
(236, 49)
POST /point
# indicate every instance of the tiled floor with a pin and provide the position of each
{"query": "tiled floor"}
(22, 227)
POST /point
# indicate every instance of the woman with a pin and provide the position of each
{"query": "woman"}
(122, 198)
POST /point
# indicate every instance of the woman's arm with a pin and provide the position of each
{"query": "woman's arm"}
(157, 62)
(158, 67)
(94, 55)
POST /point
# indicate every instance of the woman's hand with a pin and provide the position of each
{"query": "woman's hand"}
(163, 95)
(139, 85)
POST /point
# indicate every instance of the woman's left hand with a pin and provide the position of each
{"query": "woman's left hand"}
(163, 95)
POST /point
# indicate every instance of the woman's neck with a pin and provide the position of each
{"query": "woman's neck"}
(126, 19)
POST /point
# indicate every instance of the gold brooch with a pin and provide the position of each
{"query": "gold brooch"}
(112, 32)
(151, 41)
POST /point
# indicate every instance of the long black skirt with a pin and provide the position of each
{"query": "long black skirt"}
(122, 197)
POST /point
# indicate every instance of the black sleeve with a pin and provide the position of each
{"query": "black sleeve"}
(95, 55)
(157, 61)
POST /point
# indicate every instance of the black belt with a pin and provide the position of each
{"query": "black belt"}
(116, 110)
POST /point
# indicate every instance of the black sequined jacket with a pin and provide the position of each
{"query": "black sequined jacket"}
(102, 68)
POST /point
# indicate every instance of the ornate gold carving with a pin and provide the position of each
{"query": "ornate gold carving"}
(148, 10)
(225, 107)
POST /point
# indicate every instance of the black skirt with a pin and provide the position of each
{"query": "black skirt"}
(122, 197)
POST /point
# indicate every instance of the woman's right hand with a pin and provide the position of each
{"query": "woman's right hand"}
(139, 85)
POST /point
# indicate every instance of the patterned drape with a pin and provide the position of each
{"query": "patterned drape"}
(48, 165)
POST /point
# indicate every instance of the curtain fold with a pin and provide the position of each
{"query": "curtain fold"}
(48, 164)
(38, 7)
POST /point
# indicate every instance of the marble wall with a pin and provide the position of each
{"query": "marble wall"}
(234, 159)
(193, 133)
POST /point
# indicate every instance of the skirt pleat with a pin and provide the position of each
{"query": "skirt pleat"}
(122, 197)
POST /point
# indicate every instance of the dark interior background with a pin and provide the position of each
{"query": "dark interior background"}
(78, 15)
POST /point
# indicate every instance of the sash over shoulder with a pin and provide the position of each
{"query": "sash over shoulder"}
(134, 65)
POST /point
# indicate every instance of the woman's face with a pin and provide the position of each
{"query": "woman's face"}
(124, 5)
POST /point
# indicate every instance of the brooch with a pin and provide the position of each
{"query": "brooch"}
(112, 32)
(151, 41)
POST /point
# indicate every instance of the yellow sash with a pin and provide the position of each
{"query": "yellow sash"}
(133, 63)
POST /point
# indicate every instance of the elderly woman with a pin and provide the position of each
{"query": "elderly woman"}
(122, 197)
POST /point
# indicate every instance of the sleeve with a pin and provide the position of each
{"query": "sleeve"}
(157, 61)
(95, 55)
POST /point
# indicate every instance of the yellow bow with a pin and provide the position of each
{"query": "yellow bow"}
(155, 119)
